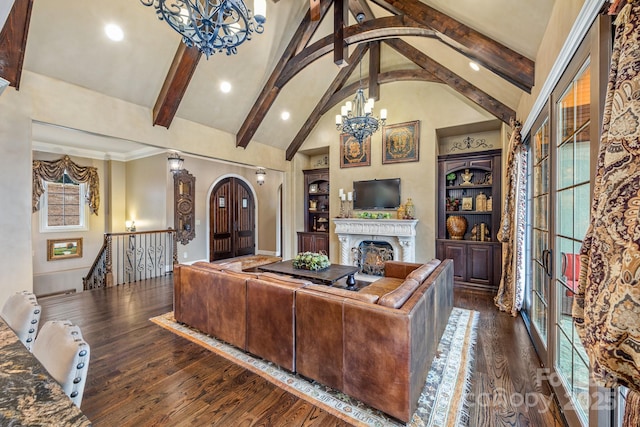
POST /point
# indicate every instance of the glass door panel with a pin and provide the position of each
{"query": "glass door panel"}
(571, 219)
(539, 256)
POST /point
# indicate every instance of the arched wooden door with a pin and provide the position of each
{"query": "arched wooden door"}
(232, 220)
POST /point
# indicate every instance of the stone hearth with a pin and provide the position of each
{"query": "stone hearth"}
(400, 234)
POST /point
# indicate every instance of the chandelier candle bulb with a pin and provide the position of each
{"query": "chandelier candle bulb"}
(349, 106)
(350, 196)
(338, 119)
(260, 10)
(383, 114)
(341, 192)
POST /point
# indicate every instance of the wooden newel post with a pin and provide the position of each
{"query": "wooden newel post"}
(108, 264)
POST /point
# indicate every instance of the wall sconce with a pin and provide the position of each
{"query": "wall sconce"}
(130, 226)
(260, 175)
(175, 162)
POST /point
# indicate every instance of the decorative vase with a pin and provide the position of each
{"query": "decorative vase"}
(456, 226)
(409, 209)
(401, 212)
(481, 202)
(313, 205)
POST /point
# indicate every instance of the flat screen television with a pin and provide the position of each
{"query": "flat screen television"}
(376, 194)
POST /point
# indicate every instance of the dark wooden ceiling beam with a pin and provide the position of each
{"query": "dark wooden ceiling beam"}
(454, 81)
(374, 70)
(175, 84)
(270, 91)
(335, 85)
(508, 64)
(383, 78)
(358, 7)
(13, 41)
(340, 20)
(390, 26)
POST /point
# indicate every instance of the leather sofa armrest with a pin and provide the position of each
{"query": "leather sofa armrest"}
(399, 269)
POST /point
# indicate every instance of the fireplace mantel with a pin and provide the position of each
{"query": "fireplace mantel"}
(400, 233)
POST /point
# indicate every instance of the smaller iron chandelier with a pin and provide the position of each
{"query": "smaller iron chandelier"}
(175, 162)
(356, 118)
(260, 176)
(211, 25)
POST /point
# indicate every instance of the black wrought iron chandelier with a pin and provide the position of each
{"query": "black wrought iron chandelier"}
(212, 25)
(356, 118)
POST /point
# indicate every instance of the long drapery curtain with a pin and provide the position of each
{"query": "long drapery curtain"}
(53, 171)
(606, 307)
(512, 226)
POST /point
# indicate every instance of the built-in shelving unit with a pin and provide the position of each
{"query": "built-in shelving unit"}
(315, 237)
(470, 191)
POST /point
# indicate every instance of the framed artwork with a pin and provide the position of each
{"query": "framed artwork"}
(64, 248)
(401, 142)
(354, 153)
(467, 203)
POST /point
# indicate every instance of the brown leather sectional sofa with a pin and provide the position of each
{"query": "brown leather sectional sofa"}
(376, 344)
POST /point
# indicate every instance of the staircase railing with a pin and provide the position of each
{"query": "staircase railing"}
(132, 256)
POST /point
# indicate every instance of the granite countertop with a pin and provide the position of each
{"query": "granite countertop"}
(30, 396)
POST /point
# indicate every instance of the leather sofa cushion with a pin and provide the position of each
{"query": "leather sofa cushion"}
(382, 286)
(421, 273)
(397, 297)
(370, 298)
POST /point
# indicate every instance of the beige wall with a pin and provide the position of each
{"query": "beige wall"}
(436, 106)
(560, 24)
(16, 271)
(53, 101)
(207, 173)
(66, 274)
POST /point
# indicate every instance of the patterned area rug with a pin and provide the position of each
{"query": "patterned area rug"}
(443, 399)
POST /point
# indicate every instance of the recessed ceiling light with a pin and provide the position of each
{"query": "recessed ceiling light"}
(285, 115)
(225, 87)
(474, 66)
(114, 32)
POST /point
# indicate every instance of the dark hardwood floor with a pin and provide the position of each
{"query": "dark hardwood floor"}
(143, 375)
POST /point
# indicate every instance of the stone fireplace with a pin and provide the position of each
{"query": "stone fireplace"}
(399, 234)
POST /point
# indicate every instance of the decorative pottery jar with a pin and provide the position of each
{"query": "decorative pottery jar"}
(313, 205)
(401, 212)
(489, 203)
(481, 202)
(456, 226)
(409, 209)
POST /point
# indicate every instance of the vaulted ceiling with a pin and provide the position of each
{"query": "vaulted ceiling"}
(288, 67)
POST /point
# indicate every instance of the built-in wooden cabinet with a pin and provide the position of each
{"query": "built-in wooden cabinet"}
(469, 190)
(315, 237)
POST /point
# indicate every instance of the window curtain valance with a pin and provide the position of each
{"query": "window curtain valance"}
(53, 171)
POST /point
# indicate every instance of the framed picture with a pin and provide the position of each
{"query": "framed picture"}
(313, 188)
(401, 142)
(64, 248)
(354, 153)
(467, 203)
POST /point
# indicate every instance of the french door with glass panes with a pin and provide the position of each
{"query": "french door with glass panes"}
(563, 146)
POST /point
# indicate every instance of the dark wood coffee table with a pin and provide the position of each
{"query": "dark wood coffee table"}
(327, 276)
